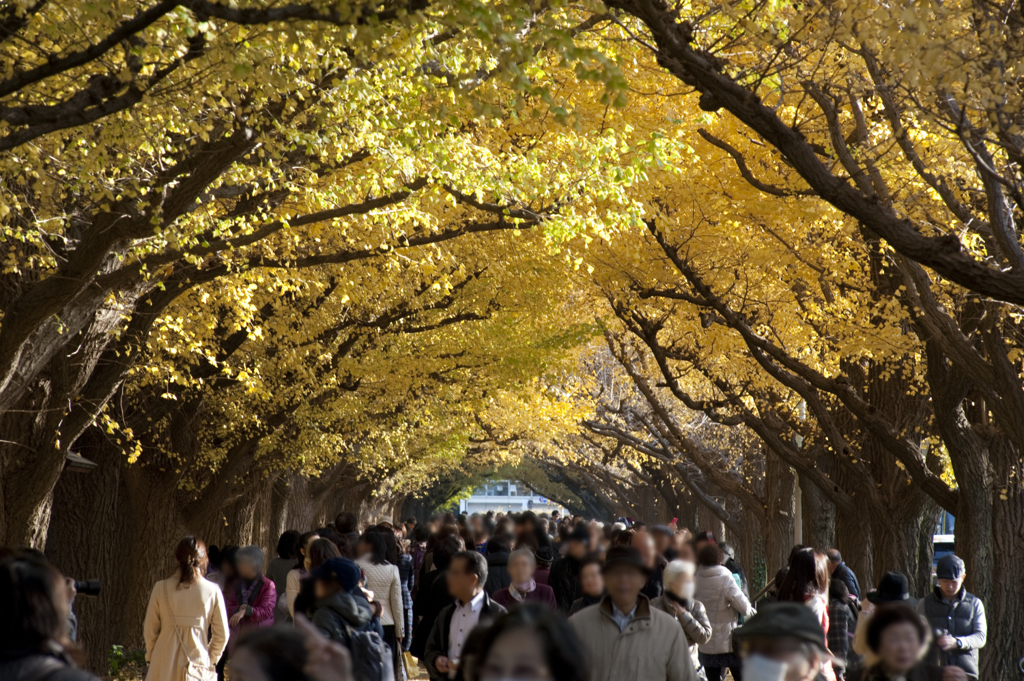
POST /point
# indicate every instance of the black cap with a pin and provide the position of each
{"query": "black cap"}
(892, 589)
(341, 570)
(950, 566)
(545, 556)
(626, 556)
(784, 619)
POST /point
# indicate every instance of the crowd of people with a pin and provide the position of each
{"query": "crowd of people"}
(495, 597)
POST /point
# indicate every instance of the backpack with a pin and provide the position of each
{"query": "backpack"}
(371, 657)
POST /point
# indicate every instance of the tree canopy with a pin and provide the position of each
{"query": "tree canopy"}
(264, 262)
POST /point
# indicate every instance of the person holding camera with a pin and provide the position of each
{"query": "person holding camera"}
(181, 610)
(34, 628)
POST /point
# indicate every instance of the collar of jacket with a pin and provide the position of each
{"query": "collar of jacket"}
(449, 612)
(961, 595)
(642, 616)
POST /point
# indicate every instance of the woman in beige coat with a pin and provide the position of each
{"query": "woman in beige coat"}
(181, 609)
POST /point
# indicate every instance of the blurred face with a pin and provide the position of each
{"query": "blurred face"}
(247, 571)
(461, 582)
(624, 583)
(662, 542)
(899, 647)
(685, 552)
(643, 543)
(785, 650)
(520, 569)
(682, 586)
(517, 654)
(951, 587)
(591, 580)
(246, 667)
(577, 549)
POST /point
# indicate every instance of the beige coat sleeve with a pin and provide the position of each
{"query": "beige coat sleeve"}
(860, 635)
(291, 590)
(680, 665)
(735, 597)
(397, 606)
(151, 627)
(219, 627)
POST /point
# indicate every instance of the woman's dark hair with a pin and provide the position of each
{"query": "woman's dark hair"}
(280, 651)
(445, 551)
(300, 546)
(421, 533)
(500, 543)
(190, 555)
(563, 652)
(286, 543)
(390, 539)
(320, 551)
(376, 545)
(838, 591)
(591, 559)
(890, 615)
(32, 598)
(624, 538)
(227, 555)
(346, 522)
(710, 555)
(808, 575)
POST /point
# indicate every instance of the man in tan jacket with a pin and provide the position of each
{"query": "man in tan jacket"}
(625, 638)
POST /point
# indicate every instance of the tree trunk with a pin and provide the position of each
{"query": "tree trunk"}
(118, 524)
(819, 518)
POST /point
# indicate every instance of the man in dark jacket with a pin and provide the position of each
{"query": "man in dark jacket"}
(959, 615)
(499, 547)
(432, 596)
(466, 577)
(843, 573)
(565, 573)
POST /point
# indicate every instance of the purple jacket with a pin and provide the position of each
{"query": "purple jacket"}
(262, 600)
(542, 594)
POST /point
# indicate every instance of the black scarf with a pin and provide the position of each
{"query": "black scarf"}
(681, 601)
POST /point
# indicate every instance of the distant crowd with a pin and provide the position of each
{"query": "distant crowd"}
(496, 597)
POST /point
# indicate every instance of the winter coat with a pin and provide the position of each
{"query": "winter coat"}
(542, 576)
(964, 619)
(842, 624)
(181, 617)
(694, 620)
(34, 666)
(437, 644)
(542, 594)
(724, 602)
(652, 647)
(386, 585)
(341, 613)
(262, 600)
(565, 582)
(433, 597)
(845, 575)
(497, 572)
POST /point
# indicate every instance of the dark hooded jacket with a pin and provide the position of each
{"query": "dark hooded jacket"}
(565, 582)
(339, 615)
(497, 573)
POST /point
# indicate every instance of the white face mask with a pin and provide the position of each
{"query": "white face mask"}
(686, 591)
(760, 668)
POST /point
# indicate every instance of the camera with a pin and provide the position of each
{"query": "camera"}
(87, 587)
